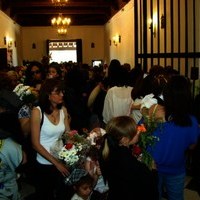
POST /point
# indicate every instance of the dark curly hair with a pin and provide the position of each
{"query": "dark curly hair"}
(47, 87)
(28, 75)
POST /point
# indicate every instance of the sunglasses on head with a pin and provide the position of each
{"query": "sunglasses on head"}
(35, 72)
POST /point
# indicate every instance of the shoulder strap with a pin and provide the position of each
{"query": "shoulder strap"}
(42, 119)
(154, 109)
(42, 116)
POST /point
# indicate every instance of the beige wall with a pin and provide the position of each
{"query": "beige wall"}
(122, 24)
(39, 36)
(10, 30)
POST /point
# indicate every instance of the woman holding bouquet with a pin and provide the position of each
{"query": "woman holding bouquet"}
(127, 177)
(49, 121)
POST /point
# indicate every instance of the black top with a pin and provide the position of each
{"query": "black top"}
(128, 178)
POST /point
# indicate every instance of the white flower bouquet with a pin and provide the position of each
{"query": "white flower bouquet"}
(25, 93)
(72, 150)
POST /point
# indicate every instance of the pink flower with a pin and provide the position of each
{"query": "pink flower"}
(72, 133)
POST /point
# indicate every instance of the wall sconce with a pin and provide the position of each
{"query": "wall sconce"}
(33, 46)
(116, 40)
(4, 40)
(10, 42)
(153, 25)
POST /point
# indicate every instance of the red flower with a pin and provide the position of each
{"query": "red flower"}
(136, 150)
(68, 146)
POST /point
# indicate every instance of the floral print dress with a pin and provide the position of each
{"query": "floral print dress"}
(10, 159)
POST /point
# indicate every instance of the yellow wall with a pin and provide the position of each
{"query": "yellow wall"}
(122, 24)
(10, 30)
(39, 36)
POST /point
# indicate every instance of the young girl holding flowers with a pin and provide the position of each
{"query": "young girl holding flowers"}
(127, 177)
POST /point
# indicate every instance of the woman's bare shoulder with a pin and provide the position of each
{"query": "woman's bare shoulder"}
(157, 111)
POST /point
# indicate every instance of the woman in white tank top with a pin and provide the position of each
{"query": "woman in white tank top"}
(54, 123)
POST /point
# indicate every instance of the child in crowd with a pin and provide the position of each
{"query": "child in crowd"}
(127, 177)
(82, 184)
(11, 155)
(92, 164)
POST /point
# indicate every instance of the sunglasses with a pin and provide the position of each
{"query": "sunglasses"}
(61, 92)
(35, 72)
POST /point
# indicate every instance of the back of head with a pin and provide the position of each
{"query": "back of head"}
(10, 126)
(159, 82)
(116, 129)
(114, 71)
(5, 81)
(119, 127)
(78, 177)
(177, 98)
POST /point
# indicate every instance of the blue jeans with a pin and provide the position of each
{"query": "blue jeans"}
(173, 184)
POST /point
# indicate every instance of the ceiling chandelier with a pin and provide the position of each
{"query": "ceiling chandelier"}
(59, 2)
(61, 23)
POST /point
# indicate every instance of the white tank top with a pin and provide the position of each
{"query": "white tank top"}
(49, 133)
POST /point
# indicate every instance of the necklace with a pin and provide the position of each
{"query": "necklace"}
(54, 117)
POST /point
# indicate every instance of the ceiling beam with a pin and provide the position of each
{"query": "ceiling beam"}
(69, 11)
(68, 4)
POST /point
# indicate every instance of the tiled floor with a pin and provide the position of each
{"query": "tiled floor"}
(27, 190)
(188, 193)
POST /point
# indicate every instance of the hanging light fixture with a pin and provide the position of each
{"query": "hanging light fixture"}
(61, 23)
(59, 2)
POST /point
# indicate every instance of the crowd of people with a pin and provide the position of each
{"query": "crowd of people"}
(39, 103)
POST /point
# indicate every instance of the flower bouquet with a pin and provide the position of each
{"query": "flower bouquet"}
(71, 149)
(146, 140)
(95, 135)
(26, 93)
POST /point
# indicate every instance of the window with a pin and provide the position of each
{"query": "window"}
(65, 50)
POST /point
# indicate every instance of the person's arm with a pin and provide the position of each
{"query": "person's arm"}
(67, 120)
(89, 167)
(35, 137)
(135, 106)
(25, 125)
(107, 107)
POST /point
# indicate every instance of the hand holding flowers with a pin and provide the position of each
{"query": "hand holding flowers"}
(71, 149)
(146, 140)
